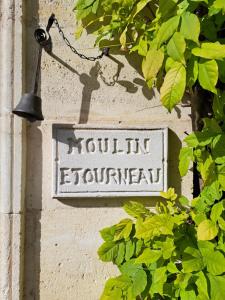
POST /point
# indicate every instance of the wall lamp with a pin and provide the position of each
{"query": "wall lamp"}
(29, 106)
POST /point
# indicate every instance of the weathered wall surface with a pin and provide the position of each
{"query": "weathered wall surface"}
(61, 237)
(12, 151)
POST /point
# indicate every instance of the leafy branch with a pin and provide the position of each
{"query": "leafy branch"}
(189, 34)
(177, 252)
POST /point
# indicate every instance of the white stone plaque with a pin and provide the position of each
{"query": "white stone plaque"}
(97, 162)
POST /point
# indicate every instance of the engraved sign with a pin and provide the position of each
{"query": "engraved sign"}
(95, 162)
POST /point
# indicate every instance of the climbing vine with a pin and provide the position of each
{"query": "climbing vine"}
(177, 251)
(181, 42)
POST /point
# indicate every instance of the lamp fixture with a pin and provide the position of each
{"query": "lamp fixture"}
(29, 106)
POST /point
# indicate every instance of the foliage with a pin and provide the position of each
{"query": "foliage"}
(177, 251)
(181, 41)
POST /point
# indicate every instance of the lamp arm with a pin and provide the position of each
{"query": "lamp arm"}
(50, 22)
(44, 41)
(38, 69)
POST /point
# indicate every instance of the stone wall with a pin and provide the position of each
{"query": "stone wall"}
(61, 236)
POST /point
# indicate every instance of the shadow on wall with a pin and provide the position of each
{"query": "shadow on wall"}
(174, 146)
(90, 83)
(34, 165)
(33, 213)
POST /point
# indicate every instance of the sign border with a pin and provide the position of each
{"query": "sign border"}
(108, 194)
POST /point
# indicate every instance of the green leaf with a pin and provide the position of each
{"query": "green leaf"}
(210, 51)
(154, 226)
(211, 193)
(120, 255)
(221, 240)
(139, 245)
(136, 209)
(215, 262)
(166, 7)
(208, 170)
(187, 295)
(184, 201)
(115, 293)
(182, 7)
(201, 207)
(182, 280)
(221, 176)
(85, 7)
(151, 65)
(159, 277)
(218, 152)
(171, 267)
(207, 230)
(114, 288)
(95, 7)
(211, 126)
(192, 260)
(221, 222)
(138, 7)
(108, 233)
(166, 30)
(130, 248)
(169, 63)
(205, 247)
(142, 47)
(148, 256)
(108, 251)
(173, 86)
(185, 157)
(170, 194)
(83, 13)
(82, 4)
(219, 4)
(167, 247)
(176, 47)
(216, 211)
(217, 287)
(208, 74)
(199, 217)
(192, 71)
(139, 282)
(198, 139)
(123, 229)
(123, 38)
(190, 27)
(202, 286)
(137, 275)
